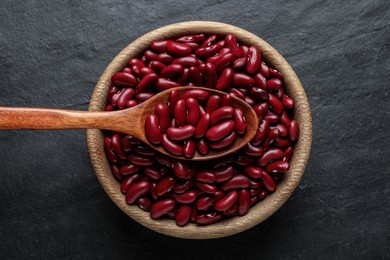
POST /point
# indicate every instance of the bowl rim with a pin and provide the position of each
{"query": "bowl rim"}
(261, 210)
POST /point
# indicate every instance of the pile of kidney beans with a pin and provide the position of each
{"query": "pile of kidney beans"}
(184, 125)
(202, 192)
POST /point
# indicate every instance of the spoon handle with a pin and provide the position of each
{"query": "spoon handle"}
(46, 118)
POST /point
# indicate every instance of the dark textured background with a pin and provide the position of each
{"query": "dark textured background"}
(51, 204)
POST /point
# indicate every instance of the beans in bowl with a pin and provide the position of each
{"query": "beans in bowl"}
(201, 192)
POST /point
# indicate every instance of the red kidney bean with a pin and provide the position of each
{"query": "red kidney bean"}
(264, 70)
(150, 55)
(239, 64)
(115, 97)
(182, 186)
(183, 215)
(275, 104)
(124, 79)
(222, 161)
(236, 93)
(125, 96)
(136, 70)
(243, 91)
(239, 121)
(237, 182)
(270, 155)
(251, 150)
(117, 148)
(260, 81)
(255, 184)
(171, 146)
(153, 194)
(199, 94)
(211, 76)
(205, 187)
(231, 212)
(213, 103)
(195, 76)
(220, 130)
(140, 160)
(244, 49)
(189, 148)
(231, 41)
(178, 49)
(223, 61)
(152, 173)
(224, 142)
(258, 94)
(180, 169)
(135, 61)
(253, 172)
(288, 103)
(205, 176)
(187, 61)
(197, 38)
(193, 46)
(271, 118)
(274, 84)
(179, 134)
(221, 114)
(205, 202)
(261, 133)
(202, 126)
(221, 53)
(131, 103)
(244, 160)
(144, 203)
(278, 167)
(244, 80)
(206, 52)
(147, 82)
(262, 194)
(172, 71)
(165, 58)
(254, 192)
(209, 41)
(109, 107)
(128, 182)
(129, 168)
(193, 115)
(288, 152)
(244, 202)
(180, 113)
(225, 80)
(202, 146)
(161, 208)
(165, 185)
(283, 131)
(224, 173)
(159, 46)
(293, 130)
(185, 198)
(137, 190)
(152, 129)
(268, 182)
(282, 142)
(141, 97)
(207, 219)
(127, 70)
(285, 120)
(164, 84)
(116, 173)
(226, 100)
(174, 96)
(125, 144)
(254, 60)
(276, 74)
(226, 202)
(162, 113)
(143, 150)
(272, 136)
(157, 66)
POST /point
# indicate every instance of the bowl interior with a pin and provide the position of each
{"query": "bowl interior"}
(261, 210)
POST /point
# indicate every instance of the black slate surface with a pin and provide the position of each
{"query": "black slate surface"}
(51, 204)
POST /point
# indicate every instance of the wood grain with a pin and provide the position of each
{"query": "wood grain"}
(260, 211)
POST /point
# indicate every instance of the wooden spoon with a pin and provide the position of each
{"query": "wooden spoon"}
(130, 121)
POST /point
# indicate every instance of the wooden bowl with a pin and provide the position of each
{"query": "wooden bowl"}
(260, 211)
